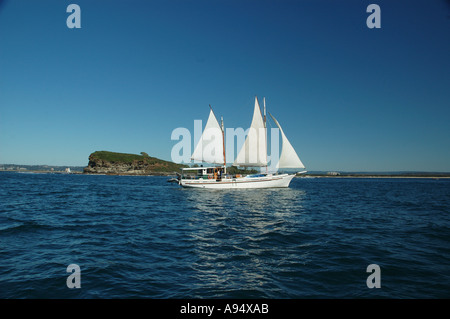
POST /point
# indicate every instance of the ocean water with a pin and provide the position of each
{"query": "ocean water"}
(142, 237)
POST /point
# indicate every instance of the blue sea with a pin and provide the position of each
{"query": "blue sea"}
(142, 237)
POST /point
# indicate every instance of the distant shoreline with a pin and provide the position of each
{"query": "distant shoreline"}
(305, 176)
(82, 173)
(374, 176)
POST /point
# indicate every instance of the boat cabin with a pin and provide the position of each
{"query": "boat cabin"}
(202, 172)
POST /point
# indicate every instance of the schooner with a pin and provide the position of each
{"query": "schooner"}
(211, 149)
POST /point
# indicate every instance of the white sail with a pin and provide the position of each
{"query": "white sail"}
(254, 150)
(288, 157)
(210, 146)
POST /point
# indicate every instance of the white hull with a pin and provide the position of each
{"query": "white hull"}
(267, 181)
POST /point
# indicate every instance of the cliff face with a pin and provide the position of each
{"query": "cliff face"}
(128, 164)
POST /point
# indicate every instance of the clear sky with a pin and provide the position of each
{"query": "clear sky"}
(348, 97)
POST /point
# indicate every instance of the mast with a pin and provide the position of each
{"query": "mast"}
(265, 128)
(223, 141)
(264, 101)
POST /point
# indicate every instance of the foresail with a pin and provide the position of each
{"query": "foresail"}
(210, 146)
(254, 150)
(288, 157)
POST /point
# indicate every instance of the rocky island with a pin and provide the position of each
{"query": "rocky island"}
(111, 163)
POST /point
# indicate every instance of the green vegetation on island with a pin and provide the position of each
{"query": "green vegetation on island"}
(115, 157)
(105, 162)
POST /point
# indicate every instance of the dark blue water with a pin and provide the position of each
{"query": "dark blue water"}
(141, 237)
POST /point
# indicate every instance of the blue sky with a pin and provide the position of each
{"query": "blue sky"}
(348, 97)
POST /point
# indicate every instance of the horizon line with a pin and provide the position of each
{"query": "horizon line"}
(309, 171)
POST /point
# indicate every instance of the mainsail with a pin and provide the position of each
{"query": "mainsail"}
(210, 146)
(288, 157)
(254, 150)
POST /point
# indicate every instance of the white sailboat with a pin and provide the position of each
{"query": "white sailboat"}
(211, 149)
